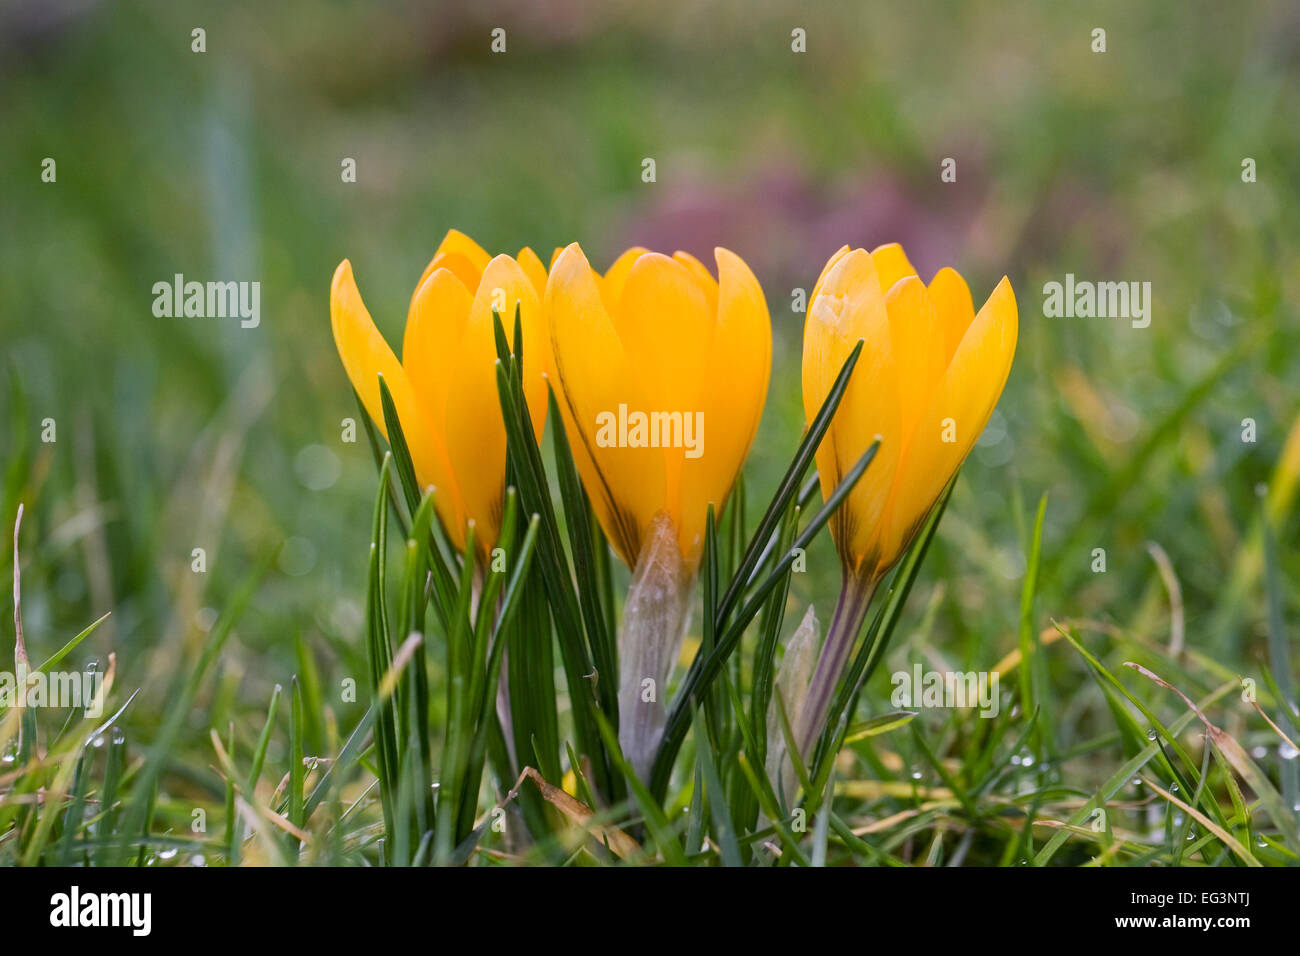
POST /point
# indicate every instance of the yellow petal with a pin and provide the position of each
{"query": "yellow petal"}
(966, 395)
(836, 256)
(460, 254)
(532, 265)
(476, 439)
(708, 285)
(917, 342)
(457, 242)
(850, 306)
(434, 327)
(611, 283)
(740, 364)
(593, 377)
(663, 321)
(951, 297)
(365, 357)
(430, 351)
(664, 324)
(892, 264)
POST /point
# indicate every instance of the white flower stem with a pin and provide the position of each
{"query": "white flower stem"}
(850, 611)
(649, 642)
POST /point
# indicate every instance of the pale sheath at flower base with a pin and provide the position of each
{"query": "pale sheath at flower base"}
(929, 376)
(444, 388)
(658, 335)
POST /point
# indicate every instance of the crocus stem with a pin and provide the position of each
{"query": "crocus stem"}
(649, 642)
(850, 611)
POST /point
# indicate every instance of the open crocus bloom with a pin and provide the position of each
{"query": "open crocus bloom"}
(930, 373)
(661, 373)
(444, 388)
(658, 342)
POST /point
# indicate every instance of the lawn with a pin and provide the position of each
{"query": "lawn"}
(202, 493)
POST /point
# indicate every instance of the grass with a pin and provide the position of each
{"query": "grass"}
(945, 792)
(245, 722)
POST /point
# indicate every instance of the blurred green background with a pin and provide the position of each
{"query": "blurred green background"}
(175, 434)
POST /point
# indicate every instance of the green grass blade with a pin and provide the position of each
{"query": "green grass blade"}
(706, 667)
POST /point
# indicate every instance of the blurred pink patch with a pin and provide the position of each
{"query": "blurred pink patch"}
(785, 226)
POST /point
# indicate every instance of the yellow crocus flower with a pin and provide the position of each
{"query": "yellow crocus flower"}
(444, 388)
(930, 373)
(661, 373)
(658, 335)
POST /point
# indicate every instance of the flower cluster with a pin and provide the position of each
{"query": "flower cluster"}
(660, 371)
